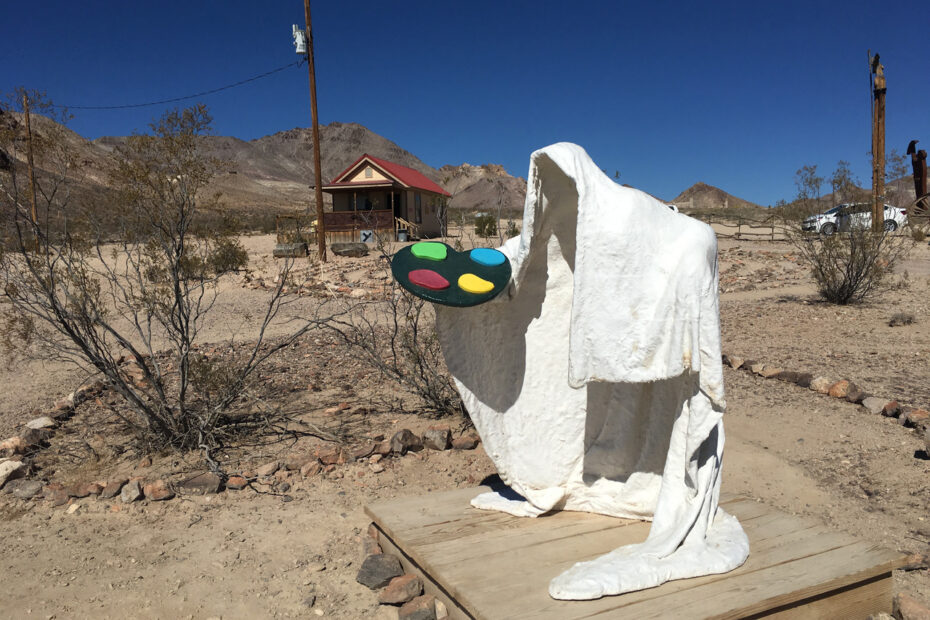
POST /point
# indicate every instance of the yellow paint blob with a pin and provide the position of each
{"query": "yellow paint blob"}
(470, 283)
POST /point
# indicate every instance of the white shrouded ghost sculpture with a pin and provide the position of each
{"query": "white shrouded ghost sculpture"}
(595, 380)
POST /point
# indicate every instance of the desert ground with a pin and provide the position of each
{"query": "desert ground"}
(264, 552)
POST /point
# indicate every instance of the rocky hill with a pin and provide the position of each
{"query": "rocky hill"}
(483, 188)
(277, 170)
(704, 196)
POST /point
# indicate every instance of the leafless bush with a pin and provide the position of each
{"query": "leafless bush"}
(131, 309)
(853, 266)
(397, 337)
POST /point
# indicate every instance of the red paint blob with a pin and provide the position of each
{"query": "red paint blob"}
(427, 278)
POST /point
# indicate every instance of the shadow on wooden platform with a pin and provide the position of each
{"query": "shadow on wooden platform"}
(492, 565)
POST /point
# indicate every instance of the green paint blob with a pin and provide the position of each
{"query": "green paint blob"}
(429, 250)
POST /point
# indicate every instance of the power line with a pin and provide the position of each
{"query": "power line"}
(176, 99)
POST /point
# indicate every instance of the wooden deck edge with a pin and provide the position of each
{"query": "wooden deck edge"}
(855, 600)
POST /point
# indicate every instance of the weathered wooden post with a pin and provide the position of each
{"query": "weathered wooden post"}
(878, 143)
(318, 187)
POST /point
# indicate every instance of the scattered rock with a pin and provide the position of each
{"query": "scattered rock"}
(84, 489)
(364, 451)
(420, 608)
(268, 469)
(770, 371)
(404, 440)
(441, 612)
(113, 488)
(881, 616)
(437, 438)
(310, 469)
(839, 389)
(332, 456)
(9, 470)
(145, 462)
(157, 491)
(64, 404)
(294, 462)
(383, 448)
(735, 362)
(916, 418)
(130, 492)
(466, 442)
(40, 423)
(13, 445)
(906, 607)
(821, 385)
(202, 484)
(23, 489)
(400, 590)
(804, 379)
(57, 497)
(354, 250)
(55, 493)
(73, 508)
(378, 570)
(236, 483)
(855, 394)
(891, 409)
(874, 404)
(757, 368)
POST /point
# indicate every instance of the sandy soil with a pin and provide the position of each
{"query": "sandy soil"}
(245, 554)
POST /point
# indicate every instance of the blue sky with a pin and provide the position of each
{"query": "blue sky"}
(738, 95)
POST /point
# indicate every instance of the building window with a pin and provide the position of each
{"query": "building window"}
(418, 208)
(368, 172)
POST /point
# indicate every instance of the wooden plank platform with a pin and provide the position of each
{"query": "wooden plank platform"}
(494, 566)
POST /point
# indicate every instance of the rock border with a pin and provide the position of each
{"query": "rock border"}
(844, 389)
(17, 452)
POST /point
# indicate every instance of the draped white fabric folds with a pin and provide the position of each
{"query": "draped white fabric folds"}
(596, 382)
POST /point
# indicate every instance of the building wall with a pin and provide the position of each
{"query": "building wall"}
(360, 175)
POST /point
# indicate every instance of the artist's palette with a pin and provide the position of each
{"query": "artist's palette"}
(436, 272)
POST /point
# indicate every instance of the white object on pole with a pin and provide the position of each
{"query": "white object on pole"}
(596, 381)
(300, 39)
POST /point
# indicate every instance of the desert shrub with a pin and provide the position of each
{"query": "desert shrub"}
(512, 230)
(485, 225)
(228, 255)
(853, 266)
(918, 234)
(131, 307)
(900, 318)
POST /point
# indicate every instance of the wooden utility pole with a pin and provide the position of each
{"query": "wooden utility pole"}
(32, 172)
(318, 185)
(877, 72)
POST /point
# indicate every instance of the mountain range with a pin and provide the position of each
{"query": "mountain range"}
(275, 171)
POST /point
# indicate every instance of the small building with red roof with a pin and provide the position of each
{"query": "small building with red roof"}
(378, 195)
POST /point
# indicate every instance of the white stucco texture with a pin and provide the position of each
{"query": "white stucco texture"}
(595, 380)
